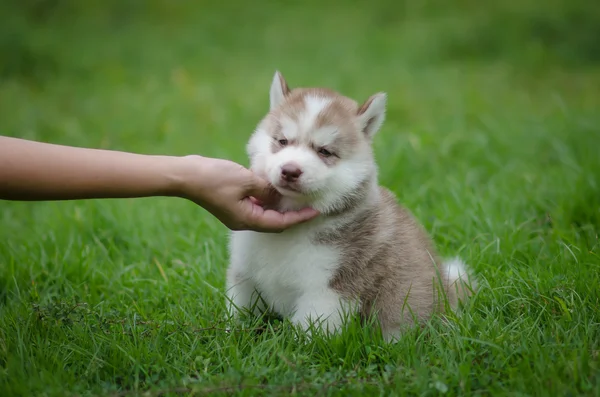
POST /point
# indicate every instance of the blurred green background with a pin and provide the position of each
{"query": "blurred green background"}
(492, 139)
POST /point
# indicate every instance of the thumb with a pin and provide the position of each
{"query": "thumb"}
(262, 190)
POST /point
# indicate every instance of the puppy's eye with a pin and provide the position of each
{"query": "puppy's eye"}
(283, 142)
(325, 152)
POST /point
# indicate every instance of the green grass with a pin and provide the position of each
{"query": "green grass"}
(492, 140)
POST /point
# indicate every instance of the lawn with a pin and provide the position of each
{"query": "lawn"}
(492, 140)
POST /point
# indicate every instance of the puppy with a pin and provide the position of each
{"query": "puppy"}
(364, 254)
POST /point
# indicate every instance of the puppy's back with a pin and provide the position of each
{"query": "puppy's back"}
(389, 264)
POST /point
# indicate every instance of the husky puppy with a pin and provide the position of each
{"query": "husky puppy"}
(364, 253)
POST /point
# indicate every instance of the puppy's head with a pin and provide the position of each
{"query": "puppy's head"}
(314, 146)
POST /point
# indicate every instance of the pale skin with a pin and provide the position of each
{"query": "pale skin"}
(36, 171)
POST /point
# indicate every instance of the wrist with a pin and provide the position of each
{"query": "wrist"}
(185, 174)
(174, 176)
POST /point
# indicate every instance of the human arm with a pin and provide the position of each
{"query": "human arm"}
(34, 171)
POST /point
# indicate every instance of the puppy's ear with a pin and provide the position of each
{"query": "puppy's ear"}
(279, 90)
(372, 114)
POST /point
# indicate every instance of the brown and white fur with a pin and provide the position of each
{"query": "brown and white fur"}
(364, 252)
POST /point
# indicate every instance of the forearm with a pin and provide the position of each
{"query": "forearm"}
(39, 171)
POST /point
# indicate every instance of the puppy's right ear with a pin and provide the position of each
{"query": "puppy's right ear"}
(372, 114)
(279, 90)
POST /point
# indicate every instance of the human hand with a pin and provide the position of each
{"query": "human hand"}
(234, 194)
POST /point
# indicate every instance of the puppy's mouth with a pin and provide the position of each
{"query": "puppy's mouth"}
(287, 189)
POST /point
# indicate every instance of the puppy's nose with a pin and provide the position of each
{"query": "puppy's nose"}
(290, 172)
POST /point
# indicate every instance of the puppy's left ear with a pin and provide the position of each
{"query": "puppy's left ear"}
(372, 114)
(279, 90)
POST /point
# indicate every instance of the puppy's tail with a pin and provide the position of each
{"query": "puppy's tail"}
(460, 278)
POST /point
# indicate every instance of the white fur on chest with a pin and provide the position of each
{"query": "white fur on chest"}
(285, 268)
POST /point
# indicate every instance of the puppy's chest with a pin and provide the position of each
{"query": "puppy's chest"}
(281, 261)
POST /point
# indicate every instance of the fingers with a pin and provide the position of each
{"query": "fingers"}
(256, 201)
(271, 221)
(262, 191)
